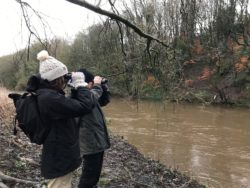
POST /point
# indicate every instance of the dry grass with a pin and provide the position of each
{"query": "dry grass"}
(6, 108)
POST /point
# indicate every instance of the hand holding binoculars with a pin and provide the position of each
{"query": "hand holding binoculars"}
(68, 77)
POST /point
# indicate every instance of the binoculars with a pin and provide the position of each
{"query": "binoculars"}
(104, 81)
(68, 77)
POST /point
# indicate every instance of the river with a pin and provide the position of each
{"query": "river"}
(210, 144)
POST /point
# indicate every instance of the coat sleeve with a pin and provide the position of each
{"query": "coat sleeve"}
(105, 97)
(97, 91)
(61, 107)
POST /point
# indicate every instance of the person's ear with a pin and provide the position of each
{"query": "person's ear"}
(91, 84)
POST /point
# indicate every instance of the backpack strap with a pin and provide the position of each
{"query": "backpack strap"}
(25, 94)
(37, 105)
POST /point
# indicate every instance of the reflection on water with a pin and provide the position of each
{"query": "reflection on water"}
(211, 144)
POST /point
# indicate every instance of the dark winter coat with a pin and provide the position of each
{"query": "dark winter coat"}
(93, 135)
(60, 154)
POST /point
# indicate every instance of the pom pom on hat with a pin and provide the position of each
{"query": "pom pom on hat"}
(50, 68)
(43, 55)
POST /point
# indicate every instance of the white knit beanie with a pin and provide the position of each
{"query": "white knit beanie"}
(50, 68)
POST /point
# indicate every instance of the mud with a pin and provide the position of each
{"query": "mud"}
(124, 166)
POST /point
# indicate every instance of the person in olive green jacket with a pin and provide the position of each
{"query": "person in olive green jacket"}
(93, 134)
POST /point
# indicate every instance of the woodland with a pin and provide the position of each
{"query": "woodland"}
(178, 50)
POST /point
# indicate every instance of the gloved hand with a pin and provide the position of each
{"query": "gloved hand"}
(97, 80)
(77, 80)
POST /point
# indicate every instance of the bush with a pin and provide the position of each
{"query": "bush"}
(151, 92)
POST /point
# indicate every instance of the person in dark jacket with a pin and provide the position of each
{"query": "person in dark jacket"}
(60, 153)
(93, 135)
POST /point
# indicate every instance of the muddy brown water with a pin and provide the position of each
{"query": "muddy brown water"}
(210, 144)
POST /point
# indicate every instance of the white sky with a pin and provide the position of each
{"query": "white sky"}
(64, 18)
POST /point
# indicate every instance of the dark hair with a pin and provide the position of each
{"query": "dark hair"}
(89, 77)
(33, 83)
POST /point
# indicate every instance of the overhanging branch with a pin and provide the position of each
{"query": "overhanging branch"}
(111, 15)
(24, 8)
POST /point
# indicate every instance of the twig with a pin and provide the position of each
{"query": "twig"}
(132, 179)
(9, 178)
(20, 145)
(2, 185)
(25, 7)
(30, 161)
(186, 184)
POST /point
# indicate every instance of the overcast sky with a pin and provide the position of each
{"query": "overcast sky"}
(64, 18)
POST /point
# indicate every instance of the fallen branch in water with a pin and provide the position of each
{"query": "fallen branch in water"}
(9, 178)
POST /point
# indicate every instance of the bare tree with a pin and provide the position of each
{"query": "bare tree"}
(96, 9)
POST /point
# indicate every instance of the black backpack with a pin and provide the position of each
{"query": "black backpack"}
(28, 117)
(28, 114)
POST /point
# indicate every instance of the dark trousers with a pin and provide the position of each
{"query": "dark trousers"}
(91, 170)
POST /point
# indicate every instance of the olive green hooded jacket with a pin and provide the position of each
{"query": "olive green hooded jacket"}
(93, 134)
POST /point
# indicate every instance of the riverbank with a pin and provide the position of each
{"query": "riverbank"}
(124, 166)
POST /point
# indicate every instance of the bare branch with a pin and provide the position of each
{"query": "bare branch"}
(28, 51)
(113, 7)
(111, 15)
(2, 185)
(119, 27)
(27, 20)
(25, 7)
(98, 4)
(148, 49)
(9, 178)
